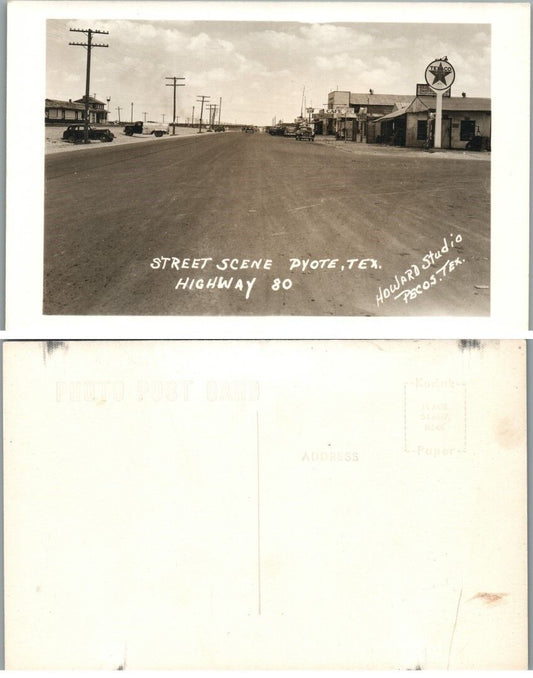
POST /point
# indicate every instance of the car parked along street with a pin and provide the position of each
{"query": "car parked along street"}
(76, 134)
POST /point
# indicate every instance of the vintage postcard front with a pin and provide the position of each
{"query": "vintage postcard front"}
(348, 161)
(299, 505)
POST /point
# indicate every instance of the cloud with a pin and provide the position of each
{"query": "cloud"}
(480, 38)
(217, 75)
(278, 41)
(331, 37)
(394, 43)
(336, 62)
(199, 42)
(259, 66)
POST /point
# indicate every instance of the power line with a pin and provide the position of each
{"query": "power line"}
(89, 45)
(174, 85)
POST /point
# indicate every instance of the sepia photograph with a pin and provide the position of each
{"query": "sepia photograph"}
(211, 168)
(267, 168)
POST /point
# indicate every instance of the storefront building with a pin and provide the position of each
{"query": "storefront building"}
(463, 120)
(349, 114)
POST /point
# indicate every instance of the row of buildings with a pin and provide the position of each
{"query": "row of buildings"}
(405, 120)
(398, 119)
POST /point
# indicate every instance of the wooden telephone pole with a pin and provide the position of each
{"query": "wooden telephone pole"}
(174, 84)
(202, 98)
(89, 45)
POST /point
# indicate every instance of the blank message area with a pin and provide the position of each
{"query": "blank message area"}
(264, 505)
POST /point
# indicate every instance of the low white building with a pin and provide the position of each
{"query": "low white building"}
(56, 110)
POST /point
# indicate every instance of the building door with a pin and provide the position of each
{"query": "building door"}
(399, 131)
(446, 137)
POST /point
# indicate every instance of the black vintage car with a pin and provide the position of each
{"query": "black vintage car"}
(76, 134)
(306, 133)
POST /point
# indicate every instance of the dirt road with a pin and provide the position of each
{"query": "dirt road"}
(241, 224)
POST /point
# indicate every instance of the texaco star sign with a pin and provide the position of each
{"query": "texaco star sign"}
(440, 75)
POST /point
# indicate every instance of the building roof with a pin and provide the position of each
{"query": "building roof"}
(395, 114)
(451, 104)
(92, 100)
(58, 103)
(420, 104)
(367, 99)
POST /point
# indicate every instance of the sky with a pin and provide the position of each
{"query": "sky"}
(263, 71)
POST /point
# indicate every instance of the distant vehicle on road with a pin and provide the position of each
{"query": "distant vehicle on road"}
(277, 131)
(220, 128)
(250, 129)
(140, 127)
(305, 134)
(76, 134)
(290, 130)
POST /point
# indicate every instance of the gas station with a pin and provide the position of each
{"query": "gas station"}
(435, 119)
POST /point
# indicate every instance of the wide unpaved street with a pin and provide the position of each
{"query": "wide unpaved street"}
(155, 228)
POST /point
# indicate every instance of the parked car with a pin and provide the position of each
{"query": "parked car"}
(290, 130)
(478, 143)
(76, 134)
(305, 133)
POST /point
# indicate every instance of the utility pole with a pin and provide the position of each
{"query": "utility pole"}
(202, 98)
(131, 112)
(163, 118)
(118, 109)
(192, 125)
(174, 85)
(144, 113)
(89, 45)
(211, 108)
(219, 108)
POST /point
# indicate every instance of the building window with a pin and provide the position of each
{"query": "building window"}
(422, 130)
(468, 129)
